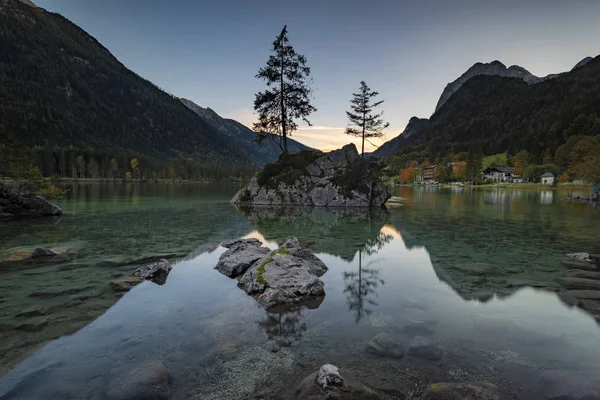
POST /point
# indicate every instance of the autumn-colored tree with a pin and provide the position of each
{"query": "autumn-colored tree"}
(407, 175)
(134, 164)
(564, 177)
(585, 158)
(442, 172)
(520, 162)
(128, 175)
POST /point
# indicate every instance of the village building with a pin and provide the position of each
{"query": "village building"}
(547, 178)
(499, 174)
(428, 174)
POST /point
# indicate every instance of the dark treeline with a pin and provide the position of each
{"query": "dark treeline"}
(93, 164)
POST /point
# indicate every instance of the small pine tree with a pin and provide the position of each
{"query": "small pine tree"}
(368, 125)
(289, 93)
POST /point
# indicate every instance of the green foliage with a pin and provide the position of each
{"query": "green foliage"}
(499, 115)
(356, 176)
(245, 196)
(533, 172)
(288, 95)
(51, 192)
(286, 169)
(261, 271)
(496, 160)
(367, 124)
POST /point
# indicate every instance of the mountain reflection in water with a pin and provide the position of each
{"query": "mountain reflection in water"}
(475, 278)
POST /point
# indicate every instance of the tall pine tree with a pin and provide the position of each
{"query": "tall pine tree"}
(288, 95)
(368, 125)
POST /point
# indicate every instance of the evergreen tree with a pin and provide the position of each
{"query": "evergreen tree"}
(288, 95)
(368, 125)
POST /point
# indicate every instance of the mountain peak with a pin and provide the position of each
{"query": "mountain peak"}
(495, 68)
(583, 62)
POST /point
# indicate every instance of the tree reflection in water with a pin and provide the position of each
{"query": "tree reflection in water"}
(361, 286)
(284, 327)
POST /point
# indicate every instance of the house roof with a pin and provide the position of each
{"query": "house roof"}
(548, 175)
(504, 170)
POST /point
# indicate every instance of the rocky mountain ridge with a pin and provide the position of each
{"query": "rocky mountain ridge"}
(238, 133)
(493, 91)
(496, 68)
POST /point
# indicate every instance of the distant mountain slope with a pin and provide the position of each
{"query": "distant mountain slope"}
(268, 151)
(495, 68)
(497, 114)
(60, 87)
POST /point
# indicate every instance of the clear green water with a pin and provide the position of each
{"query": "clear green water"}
(474, 270)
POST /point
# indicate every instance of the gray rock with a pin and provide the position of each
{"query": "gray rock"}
(583, 294)
(24, 205)
(40, 252)
(424, 348)
(341, 385)
(572, 263)
(148, 380)
(240, 256)
(384, 345)
(156, 272)
(33, 325)
(320, 185)
(580, 283)
(569, 385)
(314, 170)
(33, 311)
(463, 391)
(328, 375)
(284, 277)
(580, 256)
(579, 273)
(124, 283)
(47, 292)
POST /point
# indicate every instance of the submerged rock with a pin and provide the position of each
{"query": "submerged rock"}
(336, 179)
(39, 252)
(568, 385)
(421, 347)
(331, 383)
(25, 205)
(285, 277)
(384, 345)
(463, 391)
(156, 272)
(124, 283)
(139, 381)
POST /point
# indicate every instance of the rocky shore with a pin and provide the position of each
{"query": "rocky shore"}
(13, 205)
(336, 179)
(581, 285)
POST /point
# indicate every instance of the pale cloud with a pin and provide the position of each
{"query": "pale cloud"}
(320, 137)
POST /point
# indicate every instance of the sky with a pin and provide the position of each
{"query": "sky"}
(407, 50)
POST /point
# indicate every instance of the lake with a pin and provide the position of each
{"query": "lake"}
(475, 271)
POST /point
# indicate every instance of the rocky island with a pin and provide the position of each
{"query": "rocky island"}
(288, 276)
(13, 204)
(340, 178)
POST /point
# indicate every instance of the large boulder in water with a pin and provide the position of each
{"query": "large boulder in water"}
(14, 205)
(308, 178)
(286, 277)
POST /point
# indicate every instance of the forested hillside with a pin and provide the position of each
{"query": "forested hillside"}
(496, 114)
(265, 152)
(61, 89)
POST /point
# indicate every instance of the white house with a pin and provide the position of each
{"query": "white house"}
(547, 178)
(499, 174)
